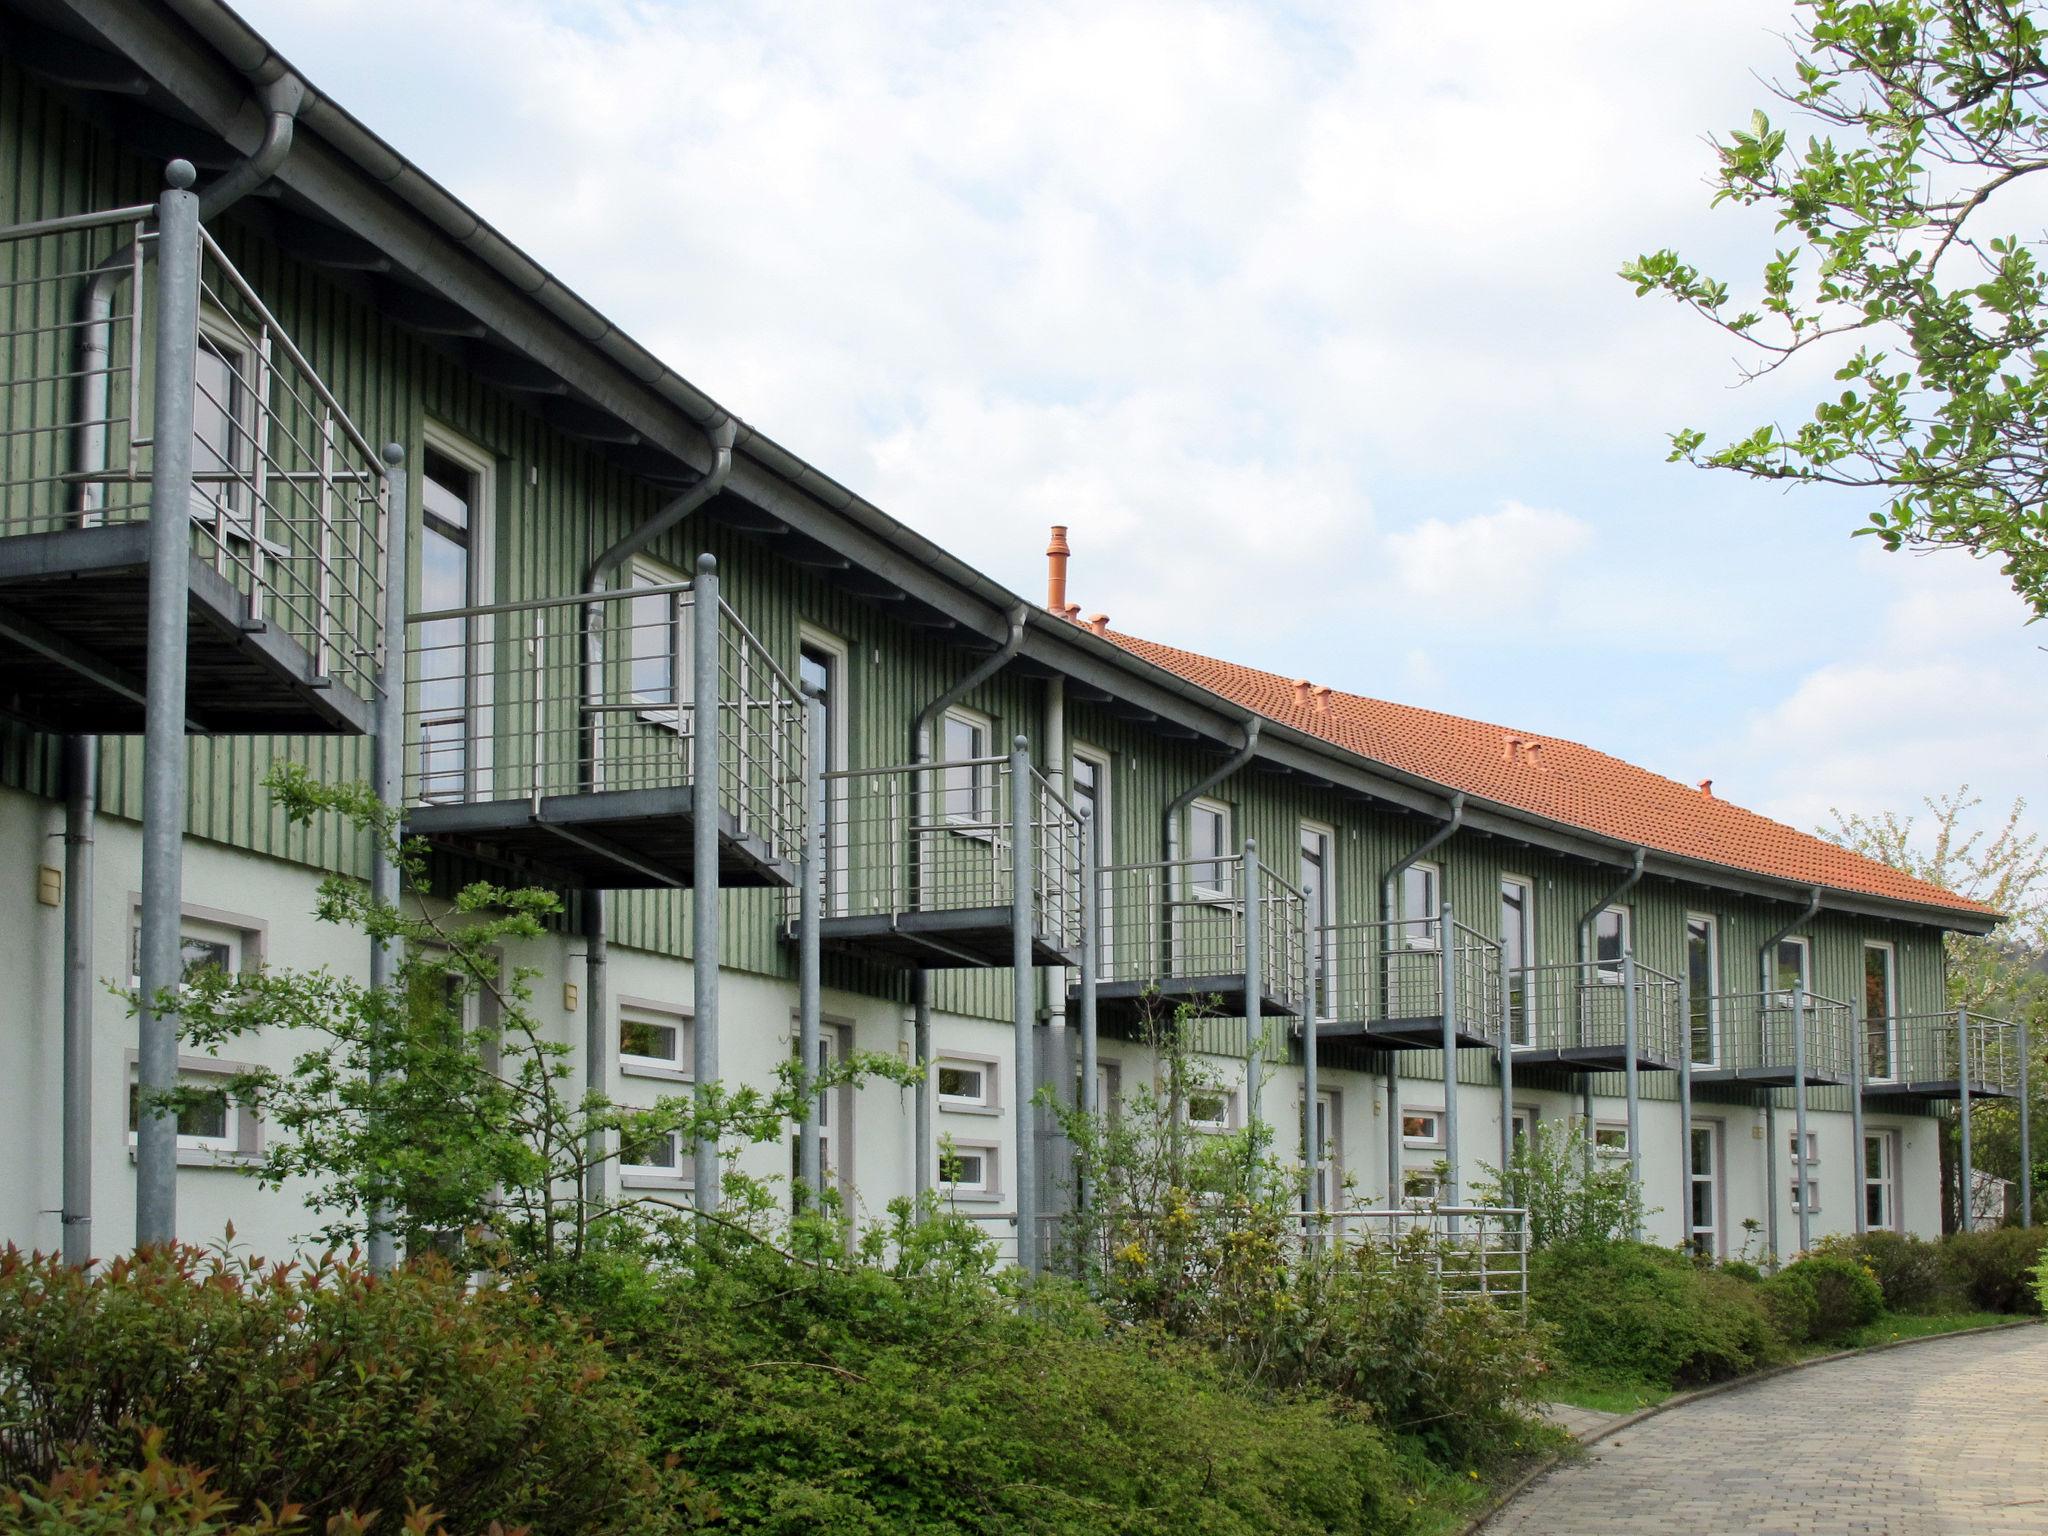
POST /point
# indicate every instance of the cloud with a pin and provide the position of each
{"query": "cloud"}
(1510, 558)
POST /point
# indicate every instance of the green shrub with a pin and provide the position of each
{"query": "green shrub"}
(1993, 1269)
(1909, 1270)
(321, 1386)
(1793, 1303)
(2041, 1283)
(1846, 1295)
(1636, 1313)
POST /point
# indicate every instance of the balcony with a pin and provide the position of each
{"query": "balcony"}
(1384, 985)
(1577, 1018)
(1174, 933)
(920, 862)
(1919, 1056)
(1758, 1034)
(558, 737)
(286, 503)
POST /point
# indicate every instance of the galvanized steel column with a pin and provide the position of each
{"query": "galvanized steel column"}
(163, 763)
(1964, 1201)
(1312, 1144)
(2026, 1129)
(1507, 1062)
(1091, 921)
(1022, 1000)
(1254, 985)
(1858, 1043)
(1685, 1101)
(81, 804)
(1395, 1184)
(1803, 1205)
(921, 1047)
(388, 766)
(1446, 944)
(1632, 1075)
(810, 884)
(704, 734)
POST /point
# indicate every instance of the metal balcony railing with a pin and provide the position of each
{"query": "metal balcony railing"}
(515, 701)
(1184, 921)
(935, 838)
(1384, 973)
(1475, 1252)
(1925, 1050)
(287, 501)
(1758, 1035)
(1582, 1011)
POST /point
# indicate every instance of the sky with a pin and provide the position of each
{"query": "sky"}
(1303, 318)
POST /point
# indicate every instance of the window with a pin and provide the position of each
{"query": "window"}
(1880, 1181)
(1790, 970)
(1812, 1205)
(966, 1083)
(1422, 1127)
(1879, 970)
(1329, 1151)
(835, 1114)
(652, 1159)
(1524, 1124)
(654, 1041)
(1088, 779)
(1703, 972)
(1421, 905)
(218, 941)
(821, 665)
(1610, 1138)
(224, 441)
(1518, 934)
(1421, 1186)
(1703, 1223)
(1610, 943)
(1209, 876)
(968, 1167)
(451, 678)
(658, 644)
(1319, 905)
(1211, 1109)
(967, 786)
(205, 1123)
(1109, 1087)
(1812, 1147)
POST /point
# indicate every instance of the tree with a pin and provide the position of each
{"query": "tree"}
(1904, 274)
(1999, 973)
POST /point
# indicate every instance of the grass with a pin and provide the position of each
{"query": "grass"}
(1443, 1501)
(1895, 1326)
(1600, 1396)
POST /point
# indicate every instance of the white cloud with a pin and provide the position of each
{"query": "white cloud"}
(1511, 558)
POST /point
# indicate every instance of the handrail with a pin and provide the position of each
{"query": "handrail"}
(72, 222)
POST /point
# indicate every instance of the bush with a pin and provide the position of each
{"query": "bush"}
(1636, 1313)
(1793, 1303)
(2041, 1283)
(321, 1386)
(1993, 1269)
(1846, 1296)
(1909, 1270)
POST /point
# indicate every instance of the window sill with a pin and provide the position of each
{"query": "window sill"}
(630, 1067)
(668, 1181)
(988, 1111)
(970, 1196)
(208, 1157)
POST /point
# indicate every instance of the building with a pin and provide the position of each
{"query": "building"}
(507, 622)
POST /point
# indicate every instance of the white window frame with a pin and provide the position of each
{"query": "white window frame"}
(1219, 867)
(1434, 1139)
(1712, 922)
(1221, 1126)
(1522, 1121)
(1609, 972)
(1804, 945)
(1890, 951)
(1105, 840)
(472, 458)
(1813, 1188)
(988, 1103)
(1610, 1128)
(1887, 1181)
(235, 517)
(1432, 1187)
(1326, 971)
(672, 710)
(677, 1068)
(677, 1175)
(1715, 1179)
(247, 938)
(1419, 929)
(837, 656)
(243, 1141)
(990, 1186)
(982, 818)
(1330, 1165)
(1109, 1086)
(1526, 1037)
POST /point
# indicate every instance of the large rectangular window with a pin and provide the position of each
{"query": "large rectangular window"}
(448, 670)
(1791, 970)
(1703, 975)
(1703, 1223)
(1421, 905)
(1208, 848)
(1518, 933)
(1879, 1010)
(967, 789)
(1088, 781)
(821, 666)
(1610, 942)
(1319, 905)
(1880, 1181)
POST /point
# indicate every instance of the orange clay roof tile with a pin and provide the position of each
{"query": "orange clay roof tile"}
(1559, 780)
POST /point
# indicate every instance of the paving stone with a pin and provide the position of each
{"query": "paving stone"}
(1948, 1438)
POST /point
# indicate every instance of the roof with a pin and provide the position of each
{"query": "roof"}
(1562, 781)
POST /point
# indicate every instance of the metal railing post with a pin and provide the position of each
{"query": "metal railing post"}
(388, 760)
(1631, 1039)
(704, 729)
(810, 878)
(1446, 940)
(1685, 1048)
(163, 770)
(1023, 1002)
(1254, 984)
(1799, 1064)
(1965, 1214)
(2026, 1125)
(1507, 1061)
(1090, 964)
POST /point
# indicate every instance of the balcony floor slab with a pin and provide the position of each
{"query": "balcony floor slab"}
(1123, 1004)
(74, 646)
(978, 938)
(1587, 1060)
(1766, 1077)
(1934, 1089)
(1417, 1032)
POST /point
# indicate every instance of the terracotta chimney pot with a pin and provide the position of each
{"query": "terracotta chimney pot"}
(1707, 788)
(1302, 690)
(1322, 699)
(1056, 553)
(1099, 622)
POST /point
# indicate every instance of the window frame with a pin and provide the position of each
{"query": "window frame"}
(1803, 943)
(835, 655)
(991, 1154)
(675, 711)
(1610, 1128)
(1890, 950)
(236, 516)
(240, 1145)
(481, 546)
(680, 1174)
(1887, 1181)
(1712, 924)
(1224, 1125)
(1101, 802)
(1412, 1199)
(679, 1068)
(1223, 816)
(1419, 931)
(1715, 1178)
(990, 1067)
(248, 937)
(1525, 1038)
(1322, 952)
(1610, 973)
(981, 820)
(1434, 1139)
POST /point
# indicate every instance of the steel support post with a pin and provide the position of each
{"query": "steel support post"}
(163, 763)
(1799, 1066)
(1507, 1063)
(1254, 986)
(1091, 962)
(1685, 1049)
(2026, 1126)
(810, 913)
(705, 725)
(1631, 1035)
(1311, 1086)
(1965, 1202)
(921, 1048)
(1447, 963)
(1023, 1000)
(388, 768)
(1396, 1185)
(1858, 1044)
(81, 796)
(1774, 1191)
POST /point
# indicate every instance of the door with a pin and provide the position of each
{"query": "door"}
(1879, 1012)
(1518, 934)
(1703, 1218)
(835, 1118)
(1703, 975)
(822, 667)
(1318, 907)
(1329, 1168)
(1880, 1181)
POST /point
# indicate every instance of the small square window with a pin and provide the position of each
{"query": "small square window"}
(1422, 1127)
(205, 1122)
(966, 1084)
(1812, 1204)
(653, 1041)
(659, 1154)
(1812, 1147)
(1611, 1140)
(968, 1168)
(1211, 1109)
(1420, 1186)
